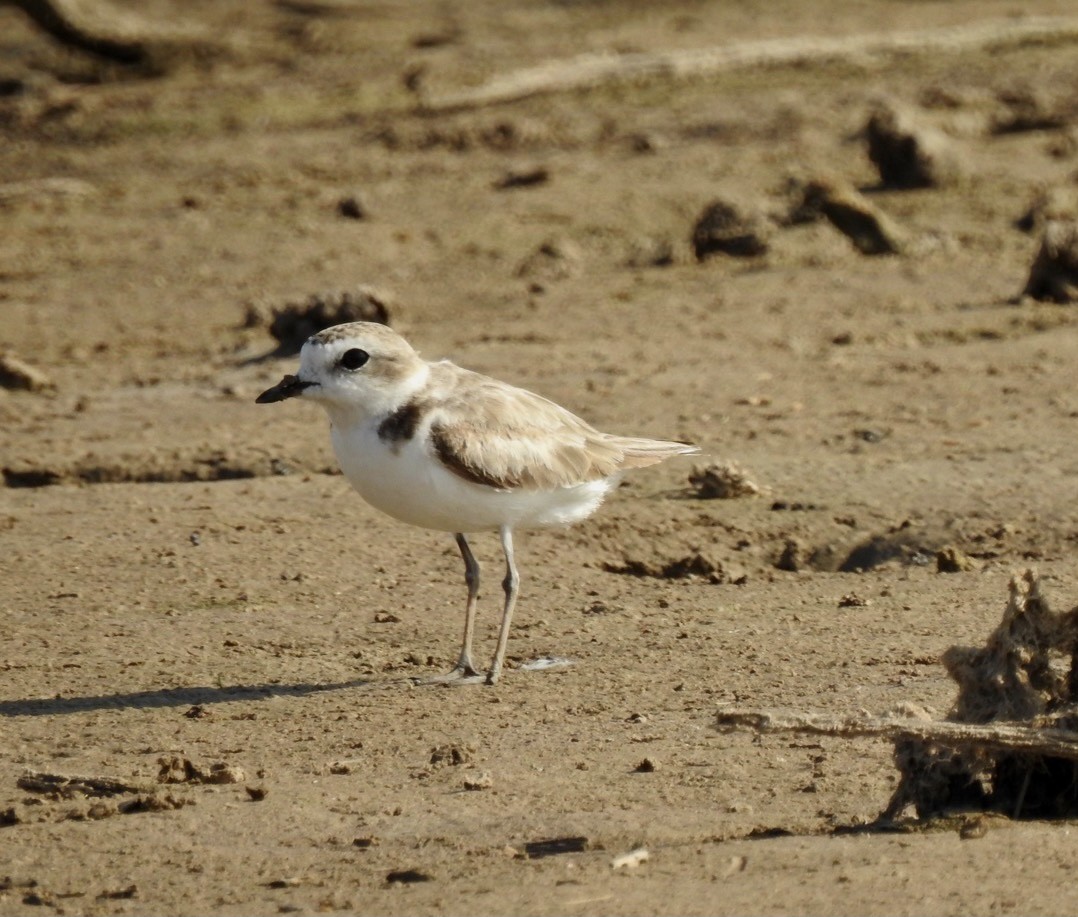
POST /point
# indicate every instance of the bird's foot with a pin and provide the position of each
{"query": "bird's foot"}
(463, 673)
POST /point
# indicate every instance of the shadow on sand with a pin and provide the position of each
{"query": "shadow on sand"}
(179, 697)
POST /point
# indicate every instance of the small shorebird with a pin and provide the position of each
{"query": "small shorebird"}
(444, 448)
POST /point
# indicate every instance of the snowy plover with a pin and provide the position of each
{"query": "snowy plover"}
(443, 448)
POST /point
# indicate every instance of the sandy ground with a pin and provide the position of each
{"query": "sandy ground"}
(187, 578)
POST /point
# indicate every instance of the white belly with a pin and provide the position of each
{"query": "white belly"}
(408, 482)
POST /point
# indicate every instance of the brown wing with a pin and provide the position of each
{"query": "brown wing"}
(504, 437)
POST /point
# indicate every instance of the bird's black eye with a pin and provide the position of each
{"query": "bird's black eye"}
(354, 358)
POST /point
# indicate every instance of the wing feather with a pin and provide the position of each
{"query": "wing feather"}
(507, 438)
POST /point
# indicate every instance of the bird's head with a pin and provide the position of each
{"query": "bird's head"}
(360, 367)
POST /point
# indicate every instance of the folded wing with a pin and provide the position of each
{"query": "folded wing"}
(507, 438)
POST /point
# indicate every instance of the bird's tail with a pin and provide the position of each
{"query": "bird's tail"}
(639, 453)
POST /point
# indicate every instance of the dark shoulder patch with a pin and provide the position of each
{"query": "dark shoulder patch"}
(456, 463)
(400, 426)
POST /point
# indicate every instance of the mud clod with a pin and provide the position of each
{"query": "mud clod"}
(794, 556)
(952, 560)
(523, 178)
(407, 876)
(351, 207)
(1054, 273)
(1027, 666)
(906, 153)
(537, 850)
(59, 786)
(119, 894)
(481, 781)
(451, 755)
(691, 565)
(31, 477)
(151, 802)
(224, 773)
(176, 769)
(722, 481)
(726, 228)
(17, 375)
(904, 546)
(870, 230)
(292, 323)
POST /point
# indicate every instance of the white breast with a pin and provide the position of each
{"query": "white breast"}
(404, 479)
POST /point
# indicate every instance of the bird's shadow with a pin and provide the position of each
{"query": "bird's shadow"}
(179, 697)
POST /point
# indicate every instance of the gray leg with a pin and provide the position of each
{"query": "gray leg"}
(464, 672)
(465, 666)
(511, 585)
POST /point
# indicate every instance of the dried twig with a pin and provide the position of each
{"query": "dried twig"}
(591, 70)
(1009, 736)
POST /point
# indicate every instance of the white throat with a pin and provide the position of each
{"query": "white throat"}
(376, 399)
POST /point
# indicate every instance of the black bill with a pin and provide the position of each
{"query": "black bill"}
(288, 387)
